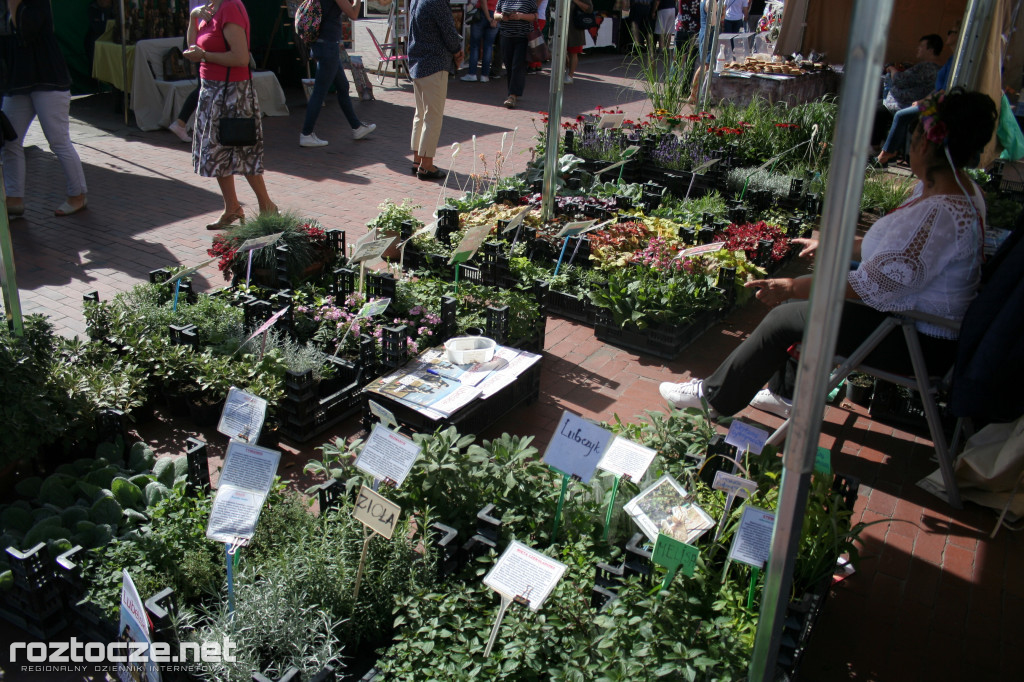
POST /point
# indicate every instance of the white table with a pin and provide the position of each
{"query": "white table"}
(156, 102)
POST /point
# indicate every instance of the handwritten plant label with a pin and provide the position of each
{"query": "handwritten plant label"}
(386, 416)
(703, 248)
(370, 236)
(242, 416)
(371, 250)
(626, 458)
(573, 229)
(744, 436)
(823, 461)
(576, 446)
(259, 242)
(675, 555)
(387, 455)
(376, 512)
(610, 121)
(244, 483)
(734, 486)
(517, 219)
(190, 271)
(752, 543)
(525, 573)
(471, 243)
(374, 308)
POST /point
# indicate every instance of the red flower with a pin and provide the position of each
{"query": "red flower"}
(581, 118)
(692, 117)
(567, 125)
(786, 125)
(707, 115)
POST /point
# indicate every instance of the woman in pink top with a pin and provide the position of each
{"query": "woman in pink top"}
(218, 35)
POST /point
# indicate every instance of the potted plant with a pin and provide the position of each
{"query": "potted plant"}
(859, 388)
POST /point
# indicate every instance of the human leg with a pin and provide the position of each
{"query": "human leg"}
(433, 93)
(902, 122)
(487, 49)
(476, 36)
(572, 61)
(344, 99)
(189, 107)
(517, 67)
(419, 103)
(232, 207)
(259, 187)
(53, 108)
(19, 110)
(327, 65)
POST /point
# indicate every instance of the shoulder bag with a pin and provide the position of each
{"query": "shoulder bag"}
(237, 131)
(583, 20)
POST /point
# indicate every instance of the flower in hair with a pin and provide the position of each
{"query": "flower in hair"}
(934, 128)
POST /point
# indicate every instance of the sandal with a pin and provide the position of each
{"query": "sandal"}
(16, 211)
(67, 209)
(432, 174)
(510, 102)
(226, 219)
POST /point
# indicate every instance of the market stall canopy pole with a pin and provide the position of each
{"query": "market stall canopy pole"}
(857, 102)
(711, 42)
(559, 35)
(970, 48)
(124, 61)
(12, 303)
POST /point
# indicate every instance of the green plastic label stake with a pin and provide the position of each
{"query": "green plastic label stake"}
(611, 507)
(754, 572)
(674, 555)
(558, 510)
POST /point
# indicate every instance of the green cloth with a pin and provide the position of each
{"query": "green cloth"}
(1009, 133)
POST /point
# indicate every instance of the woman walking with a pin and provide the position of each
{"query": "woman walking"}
(218, 34)
(36, 84)
(433, 43)
(516, 17)
(481, 42)
(327, 53)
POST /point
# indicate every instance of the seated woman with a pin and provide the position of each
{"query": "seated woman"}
(924, 256)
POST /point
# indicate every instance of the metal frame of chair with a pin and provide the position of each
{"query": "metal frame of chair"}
(921, 381)
(400, 61)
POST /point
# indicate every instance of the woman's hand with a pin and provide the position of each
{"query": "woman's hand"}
(194, 54)
(203, 12)
(810, 246)
(772, 292)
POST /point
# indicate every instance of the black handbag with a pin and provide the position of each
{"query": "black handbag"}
(237, 131)
(583, 20)
(473, 15)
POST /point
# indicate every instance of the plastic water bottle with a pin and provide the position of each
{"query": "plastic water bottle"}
(720, 60)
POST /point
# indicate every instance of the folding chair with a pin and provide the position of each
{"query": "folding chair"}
(921, 381)
(390, 53)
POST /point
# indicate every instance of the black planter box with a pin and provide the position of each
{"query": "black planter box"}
(661, 341)
(308, 409)
(571, 307)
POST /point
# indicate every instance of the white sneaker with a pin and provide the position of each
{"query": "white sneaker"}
(311, 140)
(180, 131)
(470, 78)
(686, 395)
(485, 79)
(363, 130)
(567, 80)
(769, 402)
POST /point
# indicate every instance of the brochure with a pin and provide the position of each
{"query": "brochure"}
(665, 507)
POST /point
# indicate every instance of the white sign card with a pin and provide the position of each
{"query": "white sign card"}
(387, 455)
(524, 572)
(386, 416)
(517, 219)
(245, 480)
(134, 627)
(703, 248)
(471, 242)
(665, 507)
(626, 458)
(374, 308)
(370, 236)
(259, 242)
(610, 121)
(744, 436)
(242, 416)
(190, 271)
(753, 540)
(627, 153)
(376, 512)
(573, 229)
(733, 485)
(371, 250)
(576, 446)
(704, 166)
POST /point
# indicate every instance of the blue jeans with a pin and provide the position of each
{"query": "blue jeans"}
(902, 123)
(481, 30)
(328, 70)
(732, 26)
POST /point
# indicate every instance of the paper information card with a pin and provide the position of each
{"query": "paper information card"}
(753, 540)
(242, 489)
(524, 572)
(387, 455)
(626, 458)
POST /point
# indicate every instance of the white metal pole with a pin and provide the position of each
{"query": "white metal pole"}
(858, 99)
(970, 47)
(559, 35)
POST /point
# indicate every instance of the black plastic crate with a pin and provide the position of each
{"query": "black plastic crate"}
(661, 341)
(570, 307)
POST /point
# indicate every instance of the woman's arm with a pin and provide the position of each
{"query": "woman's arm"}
(772, 292)
(236, 56)
(351, 9)
(584, 5)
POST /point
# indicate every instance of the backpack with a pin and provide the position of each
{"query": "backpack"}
(307, 21)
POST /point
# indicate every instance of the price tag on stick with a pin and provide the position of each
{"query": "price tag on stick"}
(734, 486)
(378, 514)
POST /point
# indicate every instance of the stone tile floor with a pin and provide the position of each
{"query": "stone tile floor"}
(933, 599)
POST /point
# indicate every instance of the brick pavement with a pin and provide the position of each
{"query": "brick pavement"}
(933, 598)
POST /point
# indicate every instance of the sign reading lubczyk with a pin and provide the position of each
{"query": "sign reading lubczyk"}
(576, 446)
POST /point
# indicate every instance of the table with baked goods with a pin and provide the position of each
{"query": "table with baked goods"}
(774, 81)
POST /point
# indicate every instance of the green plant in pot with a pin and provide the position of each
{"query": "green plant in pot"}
(859, 388)
(308, 250)
(214, 376)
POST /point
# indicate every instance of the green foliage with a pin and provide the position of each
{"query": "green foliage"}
(642, 296)
(884, 192)
(691, 212)
(664, 74)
